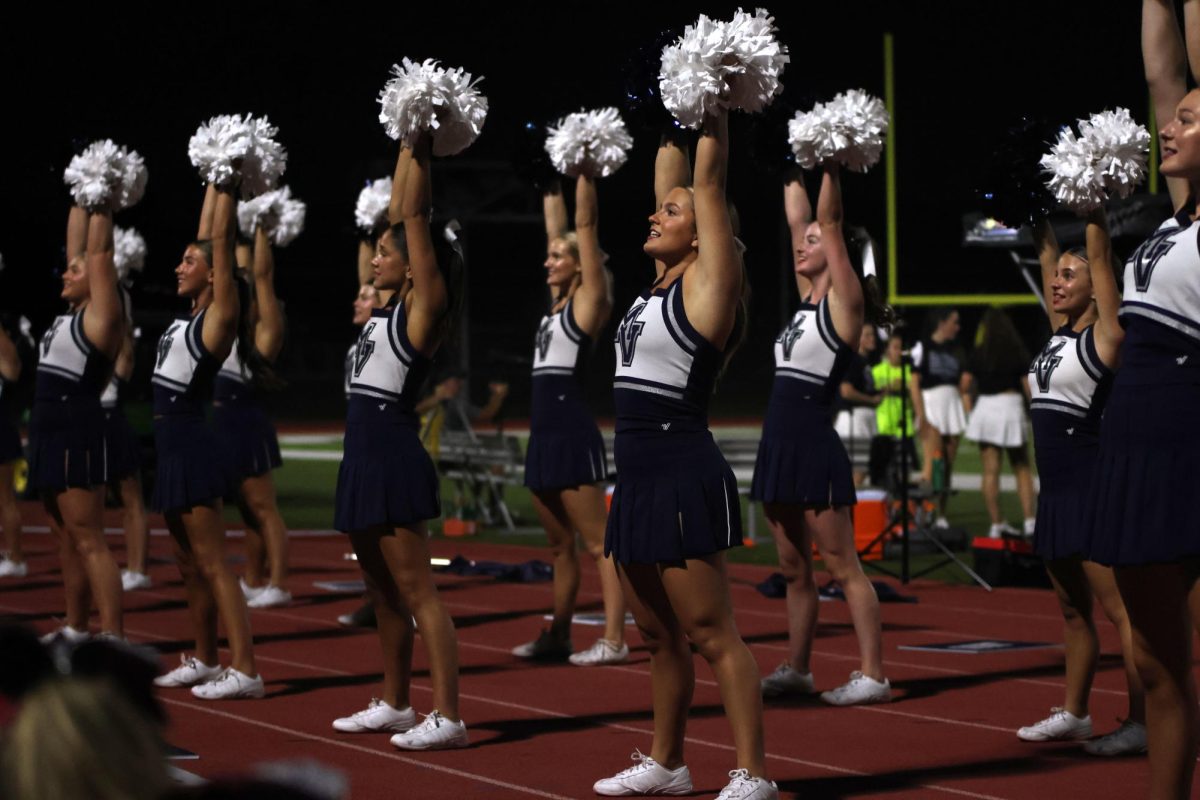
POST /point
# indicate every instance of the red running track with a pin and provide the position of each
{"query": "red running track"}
(550, 731)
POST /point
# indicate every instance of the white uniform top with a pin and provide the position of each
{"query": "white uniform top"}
(1067, 374)
(64, 350)
(1161, 282)
(808, 349)
(384, 359)
(348, 368)
(183, 367)
(556, 346)
(232, 368)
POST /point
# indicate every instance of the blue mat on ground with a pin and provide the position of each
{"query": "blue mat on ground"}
(775, 586)
(525, 572)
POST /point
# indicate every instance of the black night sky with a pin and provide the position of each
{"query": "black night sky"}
(146, 77)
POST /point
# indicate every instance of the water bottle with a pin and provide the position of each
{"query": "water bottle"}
(939, 473)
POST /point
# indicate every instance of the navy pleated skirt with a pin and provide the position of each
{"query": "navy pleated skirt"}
(563, 459)
(386, 476)
(1062, 507)
(249, 444)
(10, 442)
(802, 461)
(676, 498)
(66, 445)
(190, 469)
(124, 449)
(1144, 505)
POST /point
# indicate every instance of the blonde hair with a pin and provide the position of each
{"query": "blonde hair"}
(79, 737)
(571, 240)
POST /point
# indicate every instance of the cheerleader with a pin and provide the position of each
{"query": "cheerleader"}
(190, 476)
(802, 474)
(938, 397)
(12, 561)
(856, 401)
(387, 485)
(1070, 380)
(565, 460)
(249, 443)
(675, 507)
(68, 465)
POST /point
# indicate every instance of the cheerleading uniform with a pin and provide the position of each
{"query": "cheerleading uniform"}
(998, 417)
(801, 460)
(940, 369)
(1069, 385)
(1148, 468)
(120, 440)
(249, 444)
(855, 422)
(66, 432)
(676, 497)
(190, 470)
(386, 476)
(565, 448)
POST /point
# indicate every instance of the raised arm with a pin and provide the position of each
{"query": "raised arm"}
(713, 283)
(593, 299)
(268, 332)
(221, 318)
(429, 296)
(554, 211)
(206, 214)
(103, 318)
(1108, 331)
(1046, 244)
(798, 209)
(10, 358)
(845, 291)
(77, 228)
(1165, 62)
(399, 178)
(672, 167)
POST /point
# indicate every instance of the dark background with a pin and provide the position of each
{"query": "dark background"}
(145, 75)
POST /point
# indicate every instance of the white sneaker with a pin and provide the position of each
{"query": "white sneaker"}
(66, 632)
(250, 592)
(546, 647)
(434, 733)
(859, 690)
(1001, 529)
(941, 523)
(132, 581)
(1059, 726)
(1129, 739)
(13, 569)
(601, 653)
(378, 717)
(229, 685)
(743, 787)
(787, 680)
(270, 597)
(190, 672)
(1030, 526)
(646, 776)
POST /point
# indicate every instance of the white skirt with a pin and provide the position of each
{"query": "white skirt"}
(944, 410)
(857, 428)
(998, 419)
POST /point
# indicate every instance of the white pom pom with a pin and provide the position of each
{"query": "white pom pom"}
(714, 64)
(426, 97)
(133, 178)
(848, 129)
(276, 212)
(216, 144)
(291, 212)
(593, 141)
(266, 160)
(373, 200)
(1107, 159)
(95, 174)
(129, 252)
(254, 213)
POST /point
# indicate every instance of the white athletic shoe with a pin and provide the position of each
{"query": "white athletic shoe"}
(250, 592)
(270, 597)
(230, 685)
(999, 530)
(941, 524)
(12, 569)
(1030, 527)
(66, 632)
(1061, 725)
(434, 733)
(858, 691)
(132, 581)
(1129, 739)
(786, 680)
(378, 717)
(742, 787)
(190, 672)
(601, 653)
(546, 647)
(646, 776)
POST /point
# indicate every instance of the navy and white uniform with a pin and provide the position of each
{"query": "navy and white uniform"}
(675, 497)
(1148, 469)
(386, 477)
(249, 443)
(565, 448)
(120, 440)
(190, 470)
(801, 459)
(10, 437)
(1069, 385)
(66, 433)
